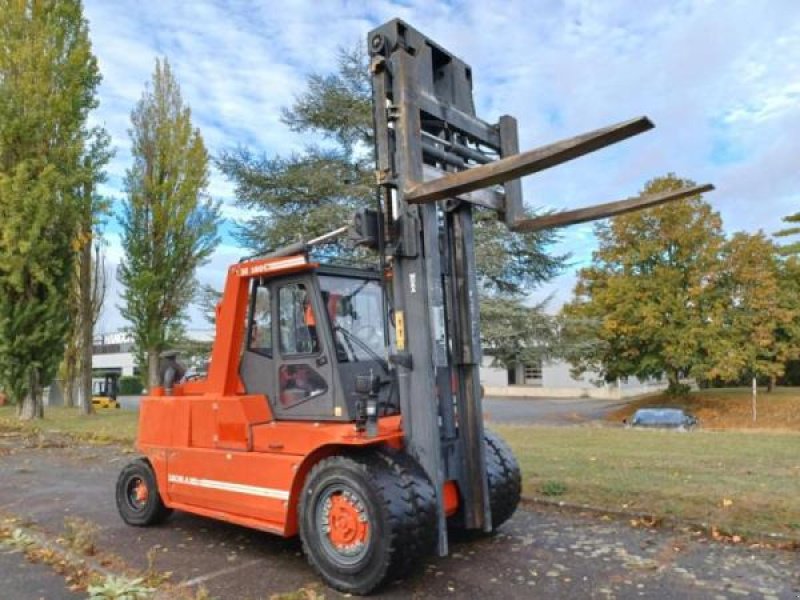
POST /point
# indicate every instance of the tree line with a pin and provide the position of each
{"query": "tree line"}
(666, 293)
(52, 215)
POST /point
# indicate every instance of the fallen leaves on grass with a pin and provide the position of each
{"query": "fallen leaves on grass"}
(80, 535)
(648, 521)
(727, 408)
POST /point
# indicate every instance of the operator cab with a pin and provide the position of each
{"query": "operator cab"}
(310, 336)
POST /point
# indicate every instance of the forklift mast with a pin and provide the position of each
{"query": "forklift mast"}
(419, 93)
(435, 160)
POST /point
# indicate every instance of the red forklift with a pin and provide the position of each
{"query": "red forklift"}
(343, 404)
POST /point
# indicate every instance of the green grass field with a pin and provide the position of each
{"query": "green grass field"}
(110, 425)
(741, 482)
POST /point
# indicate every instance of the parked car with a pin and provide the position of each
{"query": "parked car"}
(666, 418)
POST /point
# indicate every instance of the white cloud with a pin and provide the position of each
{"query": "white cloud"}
(720, 80)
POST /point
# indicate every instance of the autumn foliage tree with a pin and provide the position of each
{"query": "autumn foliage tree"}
(652, 296)
(169, 224)
(761, 320)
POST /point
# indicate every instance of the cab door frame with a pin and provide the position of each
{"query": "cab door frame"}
(261, 374)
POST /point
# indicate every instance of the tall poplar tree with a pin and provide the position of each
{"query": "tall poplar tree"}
(169, 222)
(48, 83)
(88, 286)
(86, 299)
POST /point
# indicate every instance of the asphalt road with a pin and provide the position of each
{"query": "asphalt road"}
(546, 411)
(22, 580)
(129, 402)
(538, 554)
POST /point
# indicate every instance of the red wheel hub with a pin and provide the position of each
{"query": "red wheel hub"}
(140, 492)
(347, 522)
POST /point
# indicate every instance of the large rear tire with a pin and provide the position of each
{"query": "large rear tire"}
(138, 500)
(505, 479)
(505, 486)
(366, 519)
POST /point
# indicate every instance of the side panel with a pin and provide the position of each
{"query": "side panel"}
(303, 438)
(257, 482)
(240, 483)
(235, 418)
(156, 415)
(164, 423)
(203, 424)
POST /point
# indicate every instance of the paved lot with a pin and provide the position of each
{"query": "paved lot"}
(548, 411)
(538, 554)
(22, 580)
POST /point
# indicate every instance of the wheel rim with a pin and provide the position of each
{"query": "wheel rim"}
(136, 493)
(342, 518)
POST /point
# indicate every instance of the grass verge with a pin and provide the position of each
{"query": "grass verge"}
(110, 425)
(737, 482)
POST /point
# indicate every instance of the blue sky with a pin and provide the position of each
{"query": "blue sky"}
(721, 80)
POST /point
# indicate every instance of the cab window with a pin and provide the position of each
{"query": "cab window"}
(299, 383)
(298, 324)
(260, 338)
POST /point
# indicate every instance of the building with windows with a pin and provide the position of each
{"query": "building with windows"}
(554, 380)
(113, 353)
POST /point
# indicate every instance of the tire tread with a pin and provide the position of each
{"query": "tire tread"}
(408, 507)
(505, 479)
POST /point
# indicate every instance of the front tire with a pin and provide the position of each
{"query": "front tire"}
(138, 500)
(366, 519)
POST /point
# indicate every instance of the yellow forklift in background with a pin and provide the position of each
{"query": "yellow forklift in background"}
(104, 390)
